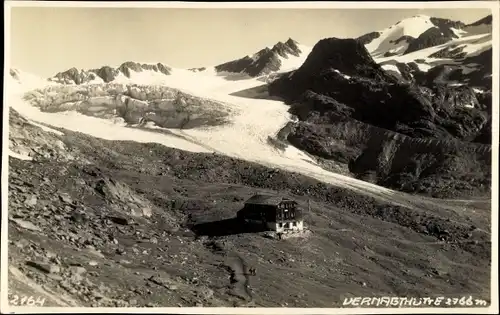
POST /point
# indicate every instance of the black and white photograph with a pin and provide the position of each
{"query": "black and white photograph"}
(232, 158)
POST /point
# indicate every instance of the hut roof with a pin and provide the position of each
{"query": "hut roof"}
(271, 200)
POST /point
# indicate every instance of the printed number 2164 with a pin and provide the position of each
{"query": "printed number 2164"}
(26, 300)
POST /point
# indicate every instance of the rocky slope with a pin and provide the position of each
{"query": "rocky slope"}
(107, 223)
(340, 82)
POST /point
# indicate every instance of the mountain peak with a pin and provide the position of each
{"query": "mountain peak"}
(282, 55)
(291, 42)
(410, 34)
(290, 47)
(346, 55)
(487, 20)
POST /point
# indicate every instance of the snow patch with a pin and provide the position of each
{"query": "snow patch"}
(391, 67)
(423, 66)
(21, 81)
(20, 156)
(386, 42)
(294, 62)
(467, 70)
(342, 74)
(472, 46)
(458, 32)
(474, 49)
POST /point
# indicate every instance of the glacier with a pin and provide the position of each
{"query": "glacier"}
(252, 123)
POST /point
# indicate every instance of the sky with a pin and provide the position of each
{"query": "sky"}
(47, 40)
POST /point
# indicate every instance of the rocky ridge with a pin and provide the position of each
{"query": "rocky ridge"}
(264, 61)
(107, 74)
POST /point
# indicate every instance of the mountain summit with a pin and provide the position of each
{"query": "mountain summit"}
(282, 56)
(426, 49)
(411, 34)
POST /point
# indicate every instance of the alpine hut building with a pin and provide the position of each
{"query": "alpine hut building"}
(276, 213)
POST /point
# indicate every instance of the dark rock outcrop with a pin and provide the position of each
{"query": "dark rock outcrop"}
(342, 97)
(74, 76)
(129, 65)
(481, 26)
(403, 38)
(368, 38)
(126, 67)
(446, 23)
(451, 52)
(439, 34)
(14, 74)
(487, 20)
(106, 73)
(340, 77)
(440, 168)
(197, 69)
(432, 37)
(435, 167)
(474, 71)
(348, 56)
